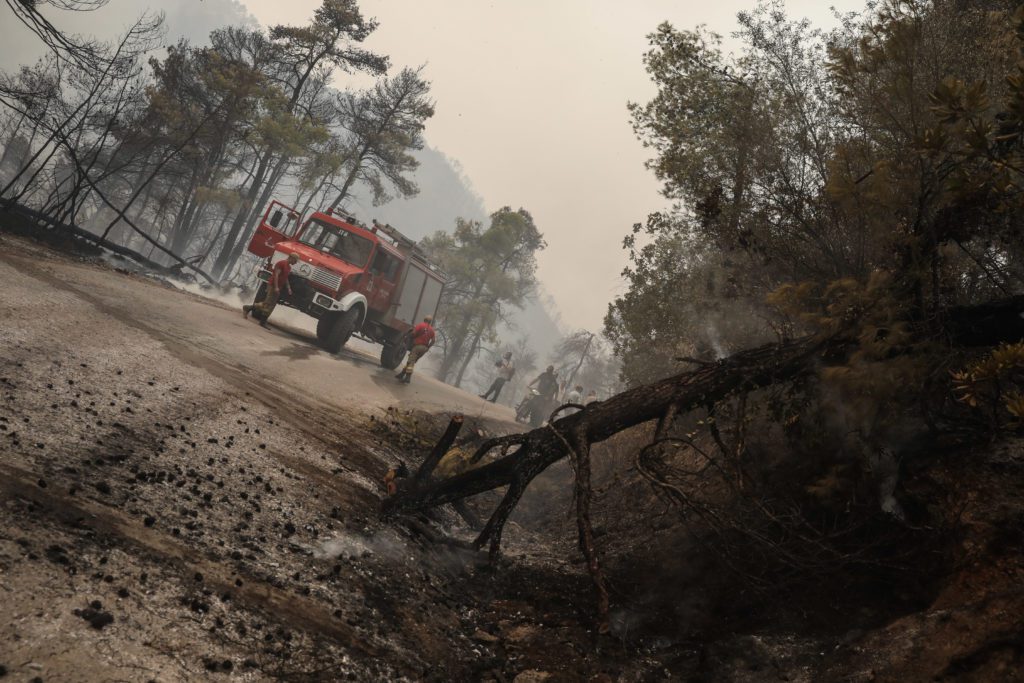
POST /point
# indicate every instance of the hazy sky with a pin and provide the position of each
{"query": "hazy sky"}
(531, 100)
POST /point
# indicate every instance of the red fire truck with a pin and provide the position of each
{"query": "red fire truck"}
(370, 281)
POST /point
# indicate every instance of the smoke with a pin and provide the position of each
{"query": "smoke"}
(389, 547)
(232, 297)
(866, 430)
(715, 340)
(236, 298)
(350, 546)
(342, 546)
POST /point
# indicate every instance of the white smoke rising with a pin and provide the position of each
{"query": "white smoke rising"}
(715, 339)
(351, 546)
(341, 546)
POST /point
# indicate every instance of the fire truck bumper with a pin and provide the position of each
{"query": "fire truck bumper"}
(326, 302)
(310, 301)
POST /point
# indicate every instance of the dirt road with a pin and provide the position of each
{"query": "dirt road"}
(186, 495)
(214, 336)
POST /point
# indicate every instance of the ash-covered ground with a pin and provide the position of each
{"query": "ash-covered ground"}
(173, 510)
(186, 496)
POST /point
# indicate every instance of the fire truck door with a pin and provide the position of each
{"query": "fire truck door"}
(384, 271)
(278, 223)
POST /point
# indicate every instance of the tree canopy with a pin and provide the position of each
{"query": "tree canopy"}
(490, 269)
(813, 157)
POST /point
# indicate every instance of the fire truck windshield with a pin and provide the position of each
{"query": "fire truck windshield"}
(345, 245)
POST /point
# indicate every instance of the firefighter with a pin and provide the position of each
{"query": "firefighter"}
(541, 400)
(422, 339)
(278, 281)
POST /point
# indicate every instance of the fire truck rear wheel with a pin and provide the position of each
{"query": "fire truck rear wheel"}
(343, 327)
(392, 355)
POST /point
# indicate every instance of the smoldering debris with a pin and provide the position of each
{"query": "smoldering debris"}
(352, 546)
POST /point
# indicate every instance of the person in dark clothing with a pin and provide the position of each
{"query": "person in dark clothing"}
(547, 383)
(505, 372)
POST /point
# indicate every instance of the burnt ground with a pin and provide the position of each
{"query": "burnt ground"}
(171, 512)
(168, 515)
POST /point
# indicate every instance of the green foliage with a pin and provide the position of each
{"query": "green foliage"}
(383, 126)
(994, 385)
(821, 160)
(330, 40)
(683, 299)
(490, 268)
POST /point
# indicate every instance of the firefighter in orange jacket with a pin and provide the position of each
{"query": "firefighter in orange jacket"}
(422, 339)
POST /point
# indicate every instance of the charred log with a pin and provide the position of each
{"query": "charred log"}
(573, 436)
(440, 448)
(540, 448)
(521, 457)
(987, 324)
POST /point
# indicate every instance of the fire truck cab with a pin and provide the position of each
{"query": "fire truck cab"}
(370, 281)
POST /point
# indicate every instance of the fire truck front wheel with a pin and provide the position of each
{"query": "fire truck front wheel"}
(342, 328)
(323, 326)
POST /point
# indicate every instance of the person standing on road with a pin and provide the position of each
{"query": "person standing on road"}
(505, 371)
(422, 339)
(278, 281)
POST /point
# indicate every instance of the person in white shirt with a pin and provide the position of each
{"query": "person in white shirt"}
(575, 396)
(505, 372)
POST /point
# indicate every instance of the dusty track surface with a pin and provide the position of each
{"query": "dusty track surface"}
(176, 505)
(212, 336)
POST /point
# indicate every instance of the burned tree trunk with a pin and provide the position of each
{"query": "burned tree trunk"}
(442, 446)
(574, 434)
(544, 446)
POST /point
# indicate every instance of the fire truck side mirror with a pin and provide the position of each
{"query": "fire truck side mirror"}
(275, 218)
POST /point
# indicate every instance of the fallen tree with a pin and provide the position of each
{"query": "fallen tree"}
(521, 457)
(573, 435)
(75, 232)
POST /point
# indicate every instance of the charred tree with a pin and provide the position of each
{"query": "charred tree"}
(573, 435)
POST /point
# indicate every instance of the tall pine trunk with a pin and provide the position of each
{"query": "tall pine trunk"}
(474, 347)
(257, 211)
(350, 179)
(241, 216)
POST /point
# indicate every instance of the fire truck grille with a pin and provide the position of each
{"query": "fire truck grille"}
(324, 277)
(320, 276)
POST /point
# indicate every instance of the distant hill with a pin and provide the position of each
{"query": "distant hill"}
(445, 194)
